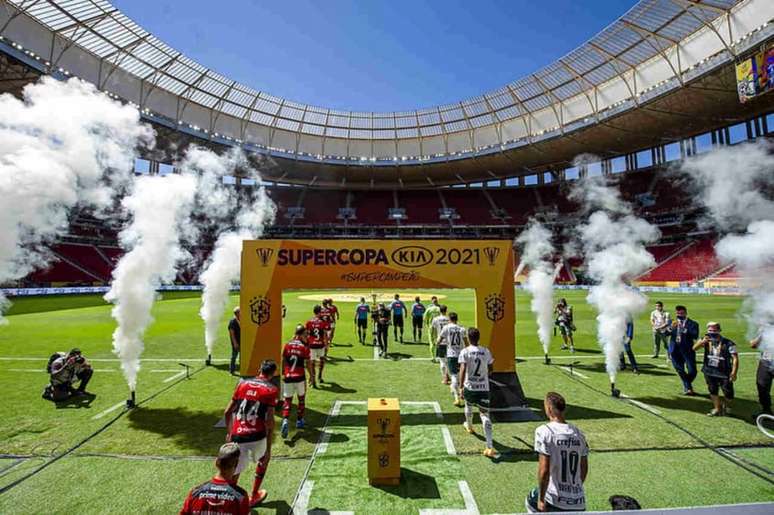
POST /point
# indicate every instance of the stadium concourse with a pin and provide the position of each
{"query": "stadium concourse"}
(630, 115)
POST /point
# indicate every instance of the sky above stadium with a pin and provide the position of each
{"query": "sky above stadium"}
(371, 55)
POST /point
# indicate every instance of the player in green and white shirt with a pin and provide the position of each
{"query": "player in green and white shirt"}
(432, 311)
(475, 364)
(454, 337)
(563, 462)
(439, 323)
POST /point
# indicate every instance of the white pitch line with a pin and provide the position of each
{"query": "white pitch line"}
(109, 410)
(376, 353)
(302, 503)
(325, 436)
(646, 407)
(176, 376)
(574, 372)
(447, 438)
(471, 508)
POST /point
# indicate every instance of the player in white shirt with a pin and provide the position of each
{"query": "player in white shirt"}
(438, 324)
(563, 462)
(475, 365)
(454, 338)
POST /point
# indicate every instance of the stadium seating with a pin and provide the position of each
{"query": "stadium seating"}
(693, 262)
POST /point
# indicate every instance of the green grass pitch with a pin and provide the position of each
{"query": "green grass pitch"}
(147, 459)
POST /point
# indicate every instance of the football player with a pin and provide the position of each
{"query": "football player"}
(295, 361)
(334, 314)
(317, 340)
(431, 312)
(454, 338)
(220, 494)
(362, 313)
(327, 316)
(417, 318)
(439, 323)
(398, 310)
(475, 364)
(250, 419)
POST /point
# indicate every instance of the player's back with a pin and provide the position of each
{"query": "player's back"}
(253, 398)
(294, 357)
(440, 322)
(477, 360)
(566, 446)
(453, 336)
(216, 496)
(316, 328)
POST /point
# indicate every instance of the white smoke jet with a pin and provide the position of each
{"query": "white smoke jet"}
(735, 184)
(64, 144)
(537, 254)
(614, 242)
(223, 268)
(159, 208)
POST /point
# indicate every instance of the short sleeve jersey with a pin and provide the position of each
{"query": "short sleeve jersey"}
(316, 328)
(565, 445)
(717, 357)
(362, 311)
(398, 308)
(453, 336)
(294, 358)
(476, 360)
(253, 398)
(334, 312)
(216, 496)
(439, 323)
(418, 309)
(326, 314)
(431, 313)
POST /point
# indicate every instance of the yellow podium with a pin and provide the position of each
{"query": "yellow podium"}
(383, 441)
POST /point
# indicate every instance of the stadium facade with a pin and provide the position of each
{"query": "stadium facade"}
(659, 84)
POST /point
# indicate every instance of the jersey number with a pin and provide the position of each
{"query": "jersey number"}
(455, 339)
(248, 411)
(477, 371)
(293, 360)
(570, 462)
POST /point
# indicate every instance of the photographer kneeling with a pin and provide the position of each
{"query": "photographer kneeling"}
(64, 370)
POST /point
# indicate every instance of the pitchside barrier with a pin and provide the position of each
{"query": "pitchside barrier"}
(271, 266)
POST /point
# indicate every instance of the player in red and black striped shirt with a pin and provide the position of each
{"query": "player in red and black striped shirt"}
(250, 419)
(317, 339)
(221, 494)
(295, 361)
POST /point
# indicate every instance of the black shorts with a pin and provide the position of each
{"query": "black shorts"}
(397, 321)
(417, 321)
(440, 351)
(362, 323)
(480, 399)
(453, 365)
(715, 384)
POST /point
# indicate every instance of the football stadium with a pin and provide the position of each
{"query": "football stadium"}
(556, 295)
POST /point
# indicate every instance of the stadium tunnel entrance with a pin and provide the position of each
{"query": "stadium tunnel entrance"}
(270, 267)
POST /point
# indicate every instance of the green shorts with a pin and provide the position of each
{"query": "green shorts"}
(440, 351)
(480, 399)
(453, 365)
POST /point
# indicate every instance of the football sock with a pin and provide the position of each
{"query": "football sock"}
(286, 407)
(301, 406)
(443, 368)
(454, 389)
(469, 415)
(487, 423)
(260, 472)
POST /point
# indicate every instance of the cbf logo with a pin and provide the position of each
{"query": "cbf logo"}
(384, 460)
(260, 310)
(491, 254)
(495, 307)
(264, 254)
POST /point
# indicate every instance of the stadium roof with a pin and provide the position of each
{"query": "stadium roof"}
(656, 46)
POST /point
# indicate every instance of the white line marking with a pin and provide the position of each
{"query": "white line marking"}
(376, 353)
(325, 436)
(302, 503)
(110, 409)
(166, 370)
(176, 376)
(572, 371)
(447, 437)
(447, 440)
(646, 407)
(471, 508)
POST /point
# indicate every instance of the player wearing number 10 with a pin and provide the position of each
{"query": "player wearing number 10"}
(250, 419)
(295, 360)
(563, 462)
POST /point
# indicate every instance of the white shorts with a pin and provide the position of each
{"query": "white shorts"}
(250, 452)
(291, 389)
(317, 354)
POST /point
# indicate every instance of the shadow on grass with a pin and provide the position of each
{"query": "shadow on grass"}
(742, 408)
(279, 506)
(575, 412)
(397, 356)
(644, 368)
(190, 429)
(315, 421)
(335, 388)
(77, 402)
(413, 485)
